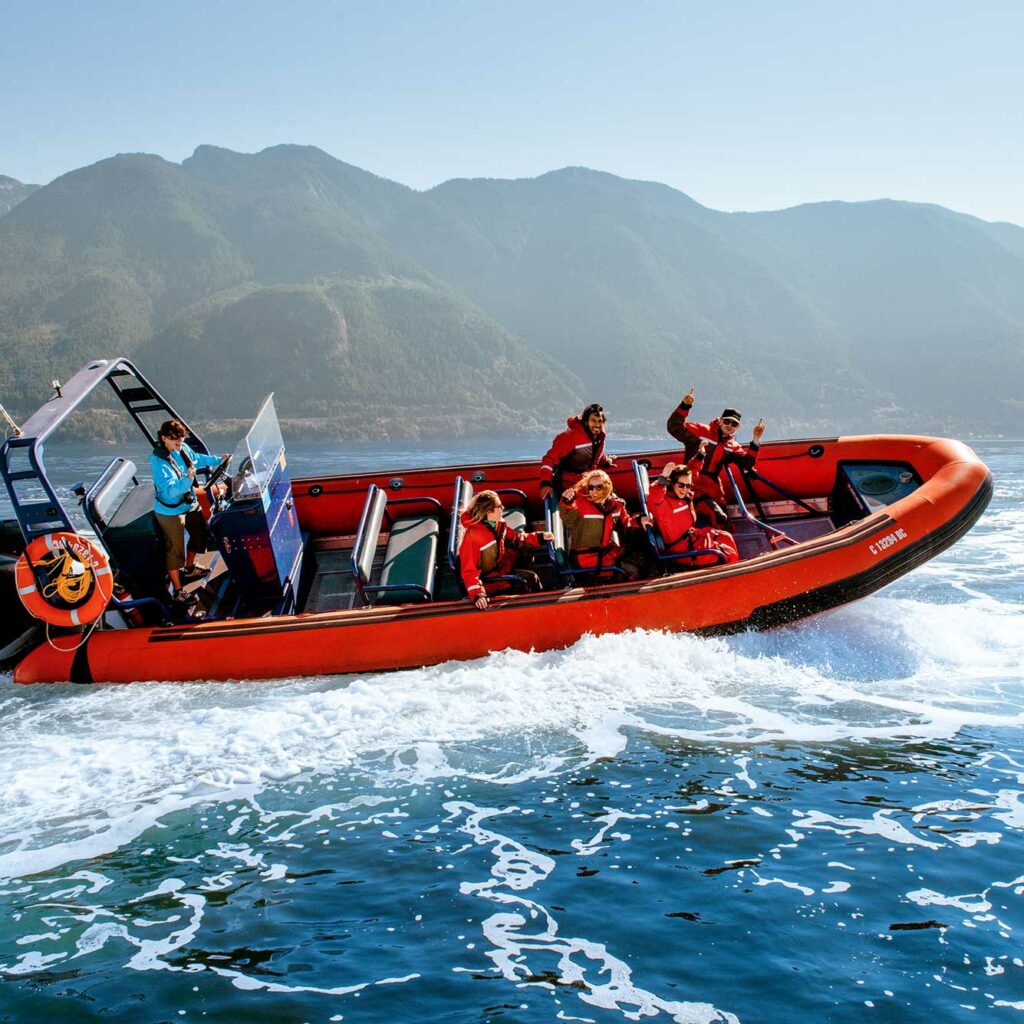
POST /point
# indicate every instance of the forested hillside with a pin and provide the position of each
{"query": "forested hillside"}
(12, 192)
(481, 306)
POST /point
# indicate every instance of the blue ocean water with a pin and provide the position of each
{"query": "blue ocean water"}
(824, 821)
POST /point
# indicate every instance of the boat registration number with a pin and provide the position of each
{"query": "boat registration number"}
(887, 541)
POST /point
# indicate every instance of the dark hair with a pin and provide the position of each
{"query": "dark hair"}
(594, 407)
(673, 477)
(172, 429)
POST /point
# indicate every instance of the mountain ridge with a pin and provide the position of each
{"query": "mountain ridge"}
(525, 297)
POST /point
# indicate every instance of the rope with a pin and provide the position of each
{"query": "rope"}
(85, 636)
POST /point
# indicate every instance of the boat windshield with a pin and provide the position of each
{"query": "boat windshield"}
(257, 454)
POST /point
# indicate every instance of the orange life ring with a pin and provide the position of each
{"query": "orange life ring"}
(64, 578)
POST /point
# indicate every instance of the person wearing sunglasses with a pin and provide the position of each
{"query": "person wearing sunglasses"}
(579, 448)
(710, 448)
(671, 506)
(603, 530)
(489, 548)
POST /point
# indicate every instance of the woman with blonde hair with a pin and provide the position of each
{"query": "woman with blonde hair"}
(598, 521)
(489, 548)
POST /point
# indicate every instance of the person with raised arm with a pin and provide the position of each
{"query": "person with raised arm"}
(710, 448)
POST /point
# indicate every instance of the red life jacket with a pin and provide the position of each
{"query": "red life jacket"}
(572, 453)
(596, 530)
(675, 518)
(485, 552)
(718, 454)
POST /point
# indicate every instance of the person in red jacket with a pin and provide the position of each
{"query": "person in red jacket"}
(712, 447)
(580, 447)
(671, 506)
(602, 528)
(490, 548)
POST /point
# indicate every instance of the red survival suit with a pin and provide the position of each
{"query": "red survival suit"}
(718, 454)
(572, 453)
(675, 518)
(596, 529)
(488, 550)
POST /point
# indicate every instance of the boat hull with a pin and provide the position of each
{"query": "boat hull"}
(759, 593)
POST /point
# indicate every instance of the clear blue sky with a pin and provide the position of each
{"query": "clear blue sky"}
(756, 104)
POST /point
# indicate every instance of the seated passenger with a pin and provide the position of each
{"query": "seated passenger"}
(576, 450)
(173, 465)
(711, 447)
(671, 506)
(490, 548)
(603, 530)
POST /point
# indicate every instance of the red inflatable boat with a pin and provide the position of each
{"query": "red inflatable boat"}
(345, 574)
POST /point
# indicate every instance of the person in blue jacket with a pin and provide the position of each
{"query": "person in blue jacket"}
(174, 464)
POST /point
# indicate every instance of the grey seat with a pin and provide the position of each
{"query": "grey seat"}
(410, 557)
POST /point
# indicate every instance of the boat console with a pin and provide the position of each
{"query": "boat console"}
(255, 526)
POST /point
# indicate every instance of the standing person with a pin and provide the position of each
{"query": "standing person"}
(711, 447)
(671, 506)
(602, 528)
(490, 548)
(579, 448)
(173, 465)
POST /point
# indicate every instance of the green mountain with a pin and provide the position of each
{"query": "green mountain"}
(484, 306)
(13, 192)
(231, 276)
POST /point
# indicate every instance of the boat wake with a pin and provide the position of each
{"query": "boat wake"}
(90, 769)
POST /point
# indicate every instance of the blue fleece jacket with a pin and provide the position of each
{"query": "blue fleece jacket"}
(170, 479)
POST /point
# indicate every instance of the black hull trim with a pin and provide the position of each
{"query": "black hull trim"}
(855, 587)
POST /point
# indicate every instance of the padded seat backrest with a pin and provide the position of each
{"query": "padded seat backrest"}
(643, 484)
(369, 530)
(558, 546)
(515, 519)
(106, 495)
(119, 508)
(643, 490)
(460, 502)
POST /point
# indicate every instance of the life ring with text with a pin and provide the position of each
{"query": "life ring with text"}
(64, 578)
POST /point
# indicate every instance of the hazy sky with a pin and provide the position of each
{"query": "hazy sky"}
(743, 105)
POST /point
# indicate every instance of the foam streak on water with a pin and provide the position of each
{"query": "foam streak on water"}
(640, 826)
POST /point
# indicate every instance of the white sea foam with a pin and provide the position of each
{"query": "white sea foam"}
(524, 934)
(91, 768)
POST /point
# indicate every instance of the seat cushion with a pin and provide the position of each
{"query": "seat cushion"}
(410, 558)
(515, 520)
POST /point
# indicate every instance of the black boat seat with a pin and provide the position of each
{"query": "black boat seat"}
(119, 507)
(409, 566)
